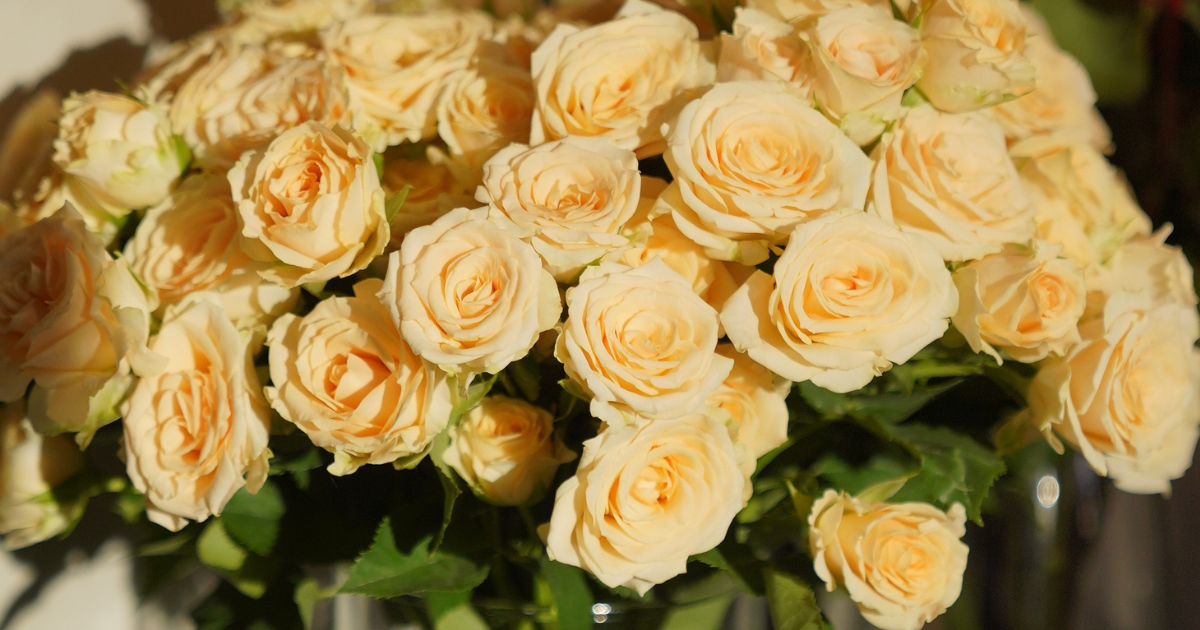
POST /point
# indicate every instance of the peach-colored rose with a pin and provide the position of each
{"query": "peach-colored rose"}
(755, 399)
(1146, 264)
(762, 47)
(31, 466)
(799, 10)
(434, 192)
(289, 16)
(483, 108)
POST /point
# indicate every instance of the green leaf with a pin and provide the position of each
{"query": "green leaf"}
(218, 550)
(395, 203)
(316, 289)
(740, 560)
(378, 160)
(450, 489)
(572, 597)
(453, 611)
(954, 468)
(465, 402)
(168, 546)
(888, 407)
(881, 468)
(792, 602)
(308, 593)
(253, 519)
(527, 374)
(386, 571)
(708, 614)
(254, 577)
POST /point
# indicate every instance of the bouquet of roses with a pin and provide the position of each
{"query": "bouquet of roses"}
(585, 306)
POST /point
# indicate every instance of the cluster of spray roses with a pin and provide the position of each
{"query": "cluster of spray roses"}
(477, 182)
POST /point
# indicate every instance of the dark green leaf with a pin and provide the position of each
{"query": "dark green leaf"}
(386, 571)
(395, 203)
(168, 546)
(253, 519)
(450, 489)
(706, 614)
(465, 402)
(792, 602)
(572, 597)
(954, 468)
(853, 479)
(218, 550)
(740, 559)
(889, 407)
(453, 611)
(527, 374)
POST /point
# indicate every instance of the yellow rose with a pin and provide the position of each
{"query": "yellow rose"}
(1147, 264)
(976, 53)
(850, 297)
(755, 400)
(640, 342)
(345, 377)
(949, 178)
(1023, 302)
(621, 79)
(31, 466)
(645, 498)
(483, 108)
(797, 10)
(1080, 201)
(435, 191)
(902, 563)
(752, 161)
(239, 97)
(862, 60)
(396, 64)
(174, 257)
(762, 47)
(467, 295)
(312, 203)
(568, 198)
(506, 450)
(69, 321)
(120, 150)
(196, 431)
(1128, 387)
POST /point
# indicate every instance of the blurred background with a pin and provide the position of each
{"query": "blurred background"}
(1062, 549)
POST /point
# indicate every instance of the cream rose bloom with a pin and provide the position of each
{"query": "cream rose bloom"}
(1023, 302)
(1148, 265)
(645, 498)
(755, 399)
(345, 377)
(239, 97)
(312, 203)
(567, 198)
(850, 297)
(949, 178)
(1128, 387)
(196, 432)
(752, 161)
(1064, 103)
(798, 10)
(395, 66)
(976, 53)
(192, 242)
(861, 61)
(434, 192)
(1080, 201)
(284, 16)
(620, 79)
(69, 319)
(640, 342)
(902, 563)
(484, 108)
(762, 47)
(121, 150)
(31, 466)
(469, 296)
(506, 450)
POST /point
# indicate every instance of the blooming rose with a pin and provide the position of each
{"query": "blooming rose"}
(645, 497)
(640, 342)
(902, 563)
(751, 161)
(1149, 265)
(69, 317)
(196, 431)
(754, 398)
(797, 10)
(761, 47)
(191, 242)
(621, 79)
(949, 178)
(484, 107)
(312, 202)
(862, 60)
(345, 377)
(976, 53)
(850, 297)
(434, 192)
(568, 198)
(283, 16)
(1129, 384)
(241, 96)
(30, 467)
(122, 151)
(1080, 201)
(468, 295)
(396, 64)
(28, 148)
(506, 450)
(1064, 102)
(1023, 302)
